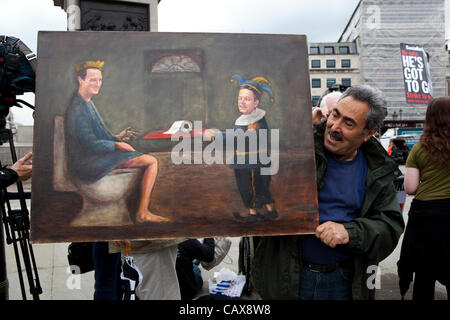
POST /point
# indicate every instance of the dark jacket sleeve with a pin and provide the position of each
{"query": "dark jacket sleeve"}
(7, 177)
(375, 235)
(197, 250)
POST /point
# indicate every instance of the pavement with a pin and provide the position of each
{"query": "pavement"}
(59, 284)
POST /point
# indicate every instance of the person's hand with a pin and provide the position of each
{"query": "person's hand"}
(126, 135)
(318, 115)
(23, 169)
(332, 233)
(123, 146)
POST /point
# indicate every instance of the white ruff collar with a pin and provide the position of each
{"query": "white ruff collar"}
(246, 119)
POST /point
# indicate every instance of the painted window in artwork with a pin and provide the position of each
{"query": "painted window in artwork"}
(176, 63)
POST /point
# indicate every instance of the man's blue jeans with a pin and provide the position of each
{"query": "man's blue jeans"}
(336, 285)
(198, 277)
(107, 272)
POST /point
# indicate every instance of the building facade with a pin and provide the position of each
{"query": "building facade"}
(378, 27)
(332, 63)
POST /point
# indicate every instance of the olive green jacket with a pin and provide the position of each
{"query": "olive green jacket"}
(372, 236)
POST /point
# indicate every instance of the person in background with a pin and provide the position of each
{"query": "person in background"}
(405, 151)
(188, 273)
(426, 245)
(391, 148)
(328, 103)
(106, 272)
(156, 260)
(19, 171)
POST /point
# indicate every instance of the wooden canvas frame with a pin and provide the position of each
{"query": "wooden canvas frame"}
(151, 80)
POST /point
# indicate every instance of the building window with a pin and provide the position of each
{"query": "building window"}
(345, 63)
(329, 50)
(344, 50)
(331, 63)
(347, 82)
(331, 82)
(315, 83)
(314, 50)
(315, 63)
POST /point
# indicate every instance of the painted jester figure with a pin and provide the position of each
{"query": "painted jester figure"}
(253, 186)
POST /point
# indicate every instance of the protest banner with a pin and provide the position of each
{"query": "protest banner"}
(416, 74)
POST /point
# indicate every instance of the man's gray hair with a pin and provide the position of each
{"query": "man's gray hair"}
(330, 95)
(374, 98)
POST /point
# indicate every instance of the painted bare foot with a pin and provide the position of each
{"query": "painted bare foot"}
(147, 216)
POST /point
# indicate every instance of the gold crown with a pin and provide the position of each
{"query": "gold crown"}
(89, 64)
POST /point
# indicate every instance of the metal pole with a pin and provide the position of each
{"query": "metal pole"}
(4, 294)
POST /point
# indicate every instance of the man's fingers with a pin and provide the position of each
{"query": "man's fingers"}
(322, 228)
(319, 230)
(332, 234)
(26, 157)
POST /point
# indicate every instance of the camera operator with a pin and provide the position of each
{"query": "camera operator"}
(19, 171)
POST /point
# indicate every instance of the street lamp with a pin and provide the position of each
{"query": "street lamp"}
(394, 116)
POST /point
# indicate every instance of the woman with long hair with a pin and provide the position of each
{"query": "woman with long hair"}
(426, 244)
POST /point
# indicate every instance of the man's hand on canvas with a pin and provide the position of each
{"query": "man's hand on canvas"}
(126, 135)
(332, 233)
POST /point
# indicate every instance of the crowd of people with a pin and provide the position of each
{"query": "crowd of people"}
(359, 224)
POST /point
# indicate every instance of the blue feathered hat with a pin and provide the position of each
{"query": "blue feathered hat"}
(260, 84)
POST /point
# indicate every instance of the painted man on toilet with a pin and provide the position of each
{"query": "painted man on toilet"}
(93, 150)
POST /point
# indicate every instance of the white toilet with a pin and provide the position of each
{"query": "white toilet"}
(104, 200)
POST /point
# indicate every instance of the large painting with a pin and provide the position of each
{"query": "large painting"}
(143, 135)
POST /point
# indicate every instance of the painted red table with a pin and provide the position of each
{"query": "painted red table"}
(159, 134)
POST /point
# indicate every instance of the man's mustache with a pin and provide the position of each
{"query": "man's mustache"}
(335, 135)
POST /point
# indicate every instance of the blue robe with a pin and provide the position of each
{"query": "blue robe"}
(90, 145)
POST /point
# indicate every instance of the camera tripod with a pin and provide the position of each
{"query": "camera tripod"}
(17, 226)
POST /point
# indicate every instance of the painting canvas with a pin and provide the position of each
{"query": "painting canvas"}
(143, 135)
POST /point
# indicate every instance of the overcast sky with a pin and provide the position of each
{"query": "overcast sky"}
(320, 20)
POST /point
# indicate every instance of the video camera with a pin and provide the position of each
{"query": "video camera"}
(17, 74)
